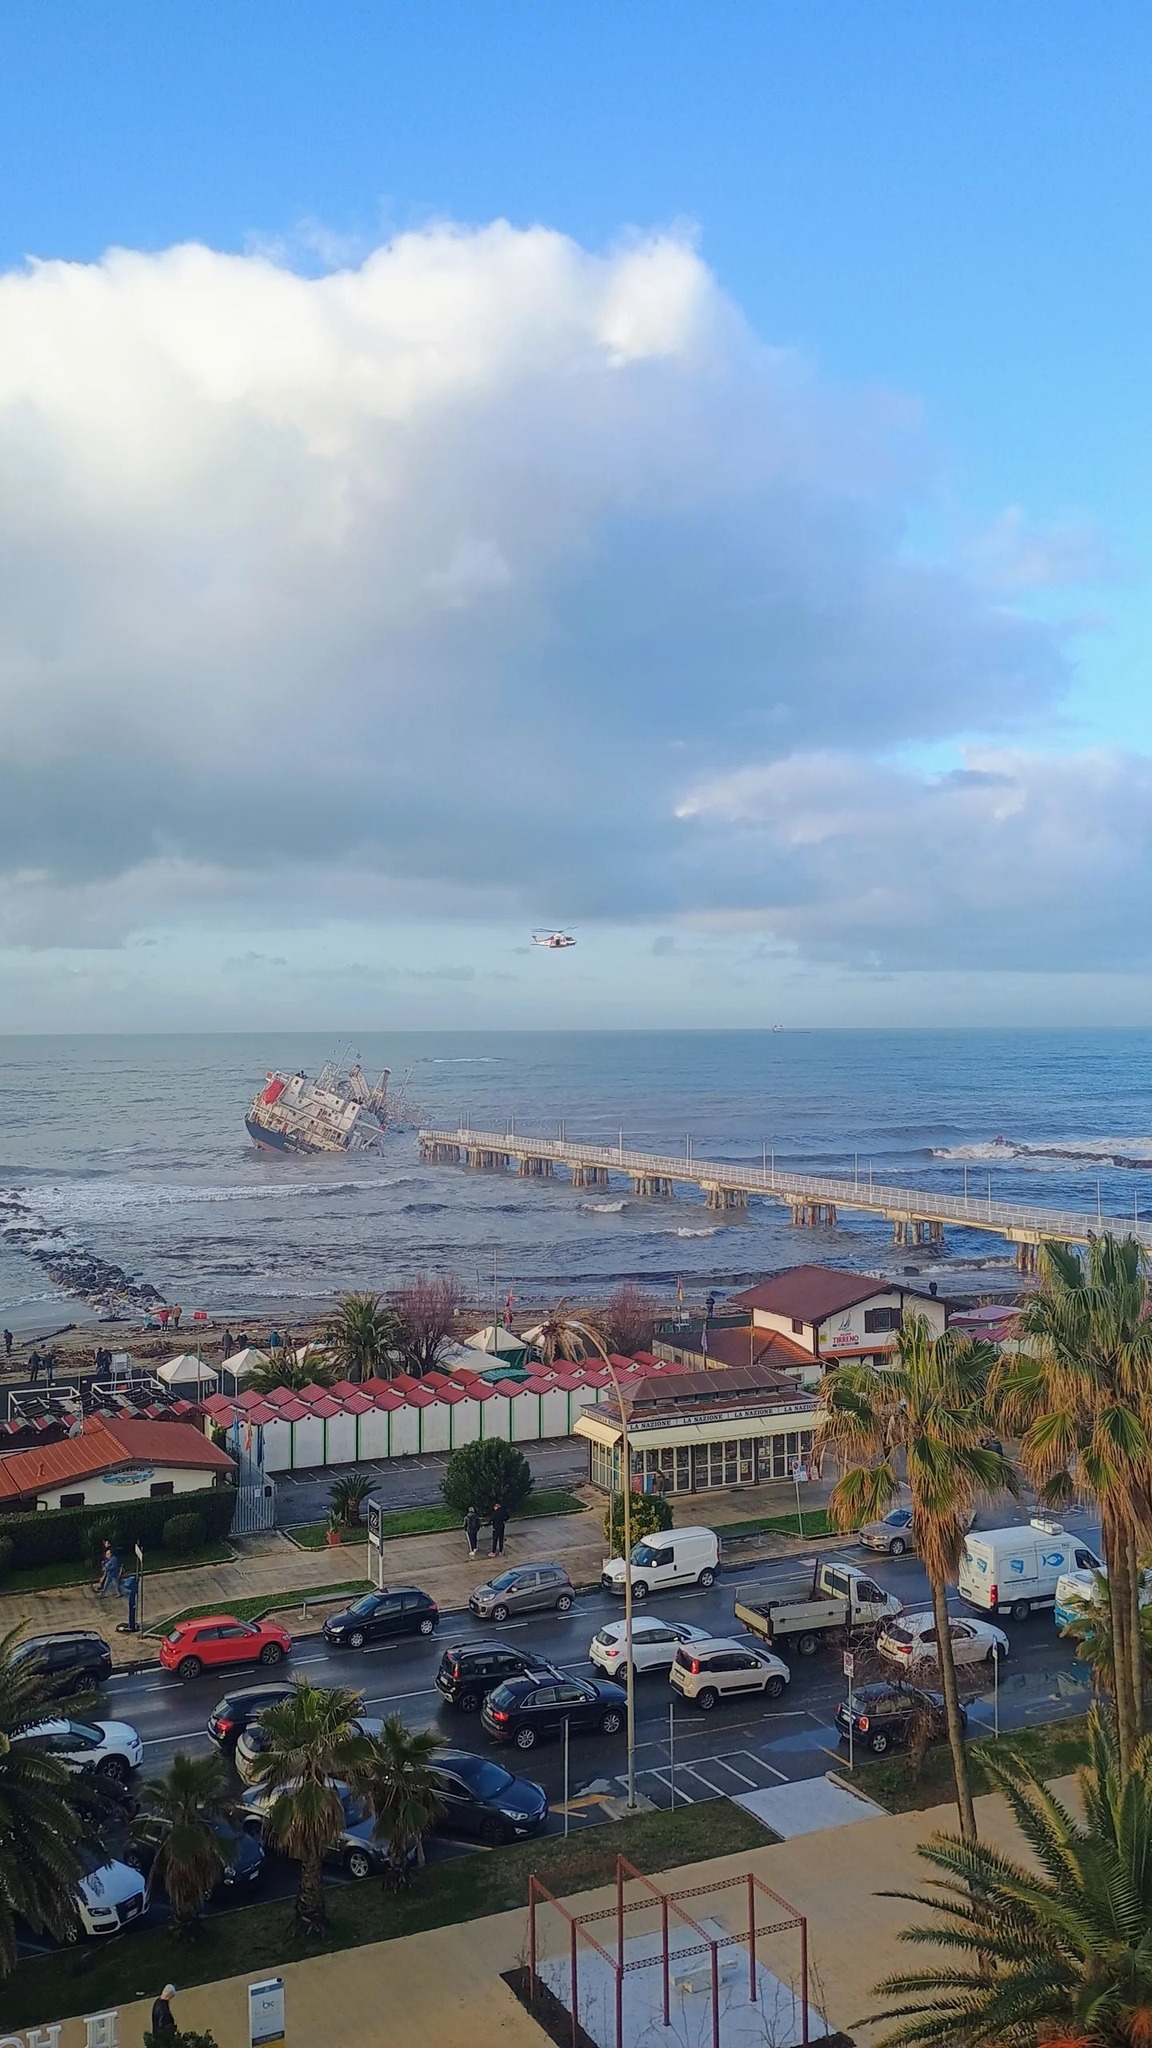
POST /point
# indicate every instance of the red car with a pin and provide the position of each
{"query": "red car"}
(195, 1646)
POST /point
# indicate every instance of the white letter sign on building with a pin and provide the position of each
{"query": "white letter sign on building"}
(99, 2032)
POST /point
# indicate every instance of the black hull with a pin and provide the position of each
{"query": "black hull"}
(274, 1141)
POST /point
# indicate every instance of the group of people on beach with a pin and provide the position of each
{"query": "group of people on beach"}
(42, 1361)
(170, 1317)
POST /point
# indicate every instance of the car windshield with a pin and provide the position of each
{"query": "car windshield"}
(365, 1606)
(607, 1636)
(502, 1697)
(82, 1732)
(643, 1554)
(487, 1780)
(895, 1634)
(898, 1519)
(504, 1582)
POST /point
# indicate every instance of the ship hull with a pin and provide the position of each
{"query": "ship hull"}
(275, 1141)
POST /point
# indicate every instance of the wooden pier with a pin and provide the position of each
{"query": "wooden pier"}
(919, 1216)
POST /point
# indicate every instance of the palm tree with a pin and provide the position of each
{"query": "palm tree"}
(926, 1410)
(193, 1794)
(1055, 1951)
(1080, 1397)
(403, 1793)
(293, 1369)
(565, 1335)
(365, 1334)
(346, 1496)
(314, 1747)
(43, 1825)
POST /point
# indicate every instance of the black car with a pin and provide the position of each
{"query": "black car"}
(398, 1611)
(524, 1709)
(359, 1852)
(884, 1716)
(75, 1659)
(242, 1852)
(482, 1798)
(470, 1670)
(237, 1710)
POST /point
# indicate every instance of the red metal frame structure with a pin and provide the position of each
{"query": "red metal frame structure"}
(580, 1924)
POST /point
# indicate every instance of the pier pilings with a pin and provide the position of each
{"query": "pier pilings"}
(726, 1198)
(590, 1176)
(919, 1231)
(655, 1186)
(535, 1169)
(809, 1215)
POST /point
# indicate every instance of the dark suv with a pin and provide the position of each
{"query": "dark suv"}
(75, 1659)
(884, 1716)
(237, 1710)
(470, 1670)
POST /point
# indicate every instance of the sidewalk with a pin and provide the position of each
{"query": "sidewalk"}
(270, 1564)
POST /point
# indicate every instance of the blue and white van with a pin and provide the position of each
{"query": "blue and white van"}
(1079, 1589)
(1011, 1571)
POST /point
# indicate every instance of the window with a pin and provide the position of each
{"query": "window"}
(160, 1488)
(877, 1319)
(797, 1326)
(71, 1500)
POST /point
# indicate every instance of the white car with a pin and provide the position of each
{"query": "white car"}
(654, 1644)
(910, 1640)
(109, 1897)
(112, 1749)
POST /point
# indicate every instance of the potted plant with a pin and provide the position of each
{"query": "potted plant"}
(332, 1534)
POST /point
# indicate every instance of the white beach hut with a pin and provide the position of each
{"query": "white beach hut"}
(235, 1369)
(186, 1371)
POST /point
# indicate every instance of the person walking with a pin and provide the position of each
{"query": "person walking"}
(472, 1530)
(163, 2017)
(226, 1346)
(109, 1573)
(164, 1315)
(499, 1525)
(34, 1366)
(7, 1343)
(177, 1312)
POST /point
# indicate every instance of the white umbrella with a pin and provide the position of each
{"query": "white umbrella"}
(185, 1371)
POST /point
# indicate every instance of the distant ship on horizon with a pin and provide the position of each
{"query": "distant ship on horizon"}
(339, 1111)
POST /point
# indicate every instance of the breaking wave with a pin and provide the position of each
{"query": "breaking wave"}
(1133, 1153)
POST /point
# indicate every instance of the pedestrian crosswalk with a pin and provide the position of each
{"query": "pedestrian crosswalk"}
(711, 1777)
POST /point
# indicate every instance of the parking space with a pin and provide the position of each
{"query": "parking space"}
(711, 1777)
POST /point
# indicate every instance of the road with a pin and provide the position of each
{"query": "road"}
(415, 1482)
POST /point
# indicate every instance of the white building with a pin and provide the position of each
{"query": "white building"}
(833, 1315)
(112, 1458)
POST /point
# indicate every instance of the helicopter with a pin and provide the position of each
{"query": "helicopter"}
(555, 941)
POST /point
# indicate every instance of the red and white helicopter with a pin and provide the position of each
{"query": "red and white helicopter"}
(555, 941)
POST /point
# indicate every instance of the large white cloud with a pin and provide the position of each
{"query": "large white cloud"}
(441, 581)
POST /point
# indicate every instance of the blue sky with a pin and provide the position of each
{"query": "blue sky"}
(935, 222)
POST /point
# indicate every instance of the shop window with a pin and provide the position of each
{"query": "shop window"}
(160, 1489)
(71, 1500)
(877, 1319)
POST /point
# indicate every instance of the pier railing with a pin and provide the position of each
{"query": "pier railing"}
(1020, 1222)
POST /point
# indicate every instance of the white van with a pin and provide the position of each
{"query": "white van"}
(1077, 1590)
(1011, 1571)
(676, 1557)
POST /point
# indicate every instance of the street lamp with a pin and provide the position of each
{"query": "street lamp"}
(630, 1675)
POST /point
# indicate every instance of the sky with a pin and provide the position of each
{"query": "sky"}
(677, 473)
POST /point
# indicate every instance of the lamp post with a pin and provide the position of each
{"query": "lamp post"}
(630, 1675)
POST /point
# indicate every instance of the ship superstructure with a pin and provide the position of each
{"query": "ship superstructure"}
(341, 1110)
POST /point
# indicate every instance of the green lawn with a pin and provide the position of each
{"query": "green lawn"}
(815, 1520)
(432, 1521)
(257, 1939)
(42, 1578)
(1055, 1747)
(261, 1604)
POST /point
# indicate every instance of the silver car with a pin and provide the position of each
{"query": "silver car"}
(522, 1589)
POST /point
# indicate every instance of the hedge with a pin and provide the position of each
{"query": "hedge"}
(65, 1535)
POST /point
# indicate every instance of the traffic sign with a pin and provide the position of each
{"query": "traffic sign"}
(849, 1664)
(800, 1471)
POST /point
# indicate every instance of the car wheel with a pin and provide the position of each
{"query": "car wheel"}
(358, 1863)
(469, 1702)
(611, 1722)
(114, 1769)
(500, 1613)
(995, 1655)
(271, 1654)
(427, 1625)
(879, 1743)
(707, 1699)
(189, 1667)
(807, 1644)
(1021, 1609)
(356, 1639)
(897, 1547)
(639, 1589)
(563, 1603)
(493, 1832)
(525, 1738)
(774, 1688)
(707, 1578)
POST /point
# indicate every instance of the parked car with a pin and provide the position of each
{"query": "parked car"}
(912, 1641)
(883, 1716)
(481, 1798)
(722, 1668)
(242, 1854)
(654, 1644)
(195, 1646)
(256, 1741)
(895, 1533)
(397, 1611)
(1019, 1568)
(359, 1852)
(237, 1710)
(112, 1749)
(524, 1709)
(110, 1896)
(469, 1670)
(521, 1590)
(677, 1557)
(75, 1659)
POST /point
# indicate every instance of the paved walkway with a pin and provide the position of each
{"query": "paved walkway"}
(271, 1564)
(445, 1985)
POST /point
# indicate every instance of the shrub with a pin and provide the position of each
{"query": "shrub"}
(74, 1535)
(179, 2037)
(479, 1474)
(347, 1495)
(648, 1515)
(184, 1533)
(5, 1554)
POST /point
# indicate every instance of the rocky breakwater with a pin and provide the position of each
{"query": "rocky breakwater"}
(72, 1268)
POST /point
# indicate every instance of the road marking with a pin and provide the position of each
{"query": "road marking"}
(685, 1798)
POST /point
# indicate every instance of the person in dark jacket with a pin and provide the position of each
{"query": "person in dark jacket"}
(163, 2017)
(499, 1525)
(472, 1530)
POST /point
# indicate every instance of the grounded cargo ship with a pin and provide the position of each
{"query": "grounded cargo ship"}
(337, 1112)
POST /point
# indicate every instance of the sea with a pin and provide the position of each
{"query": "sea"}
(134, 1148)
